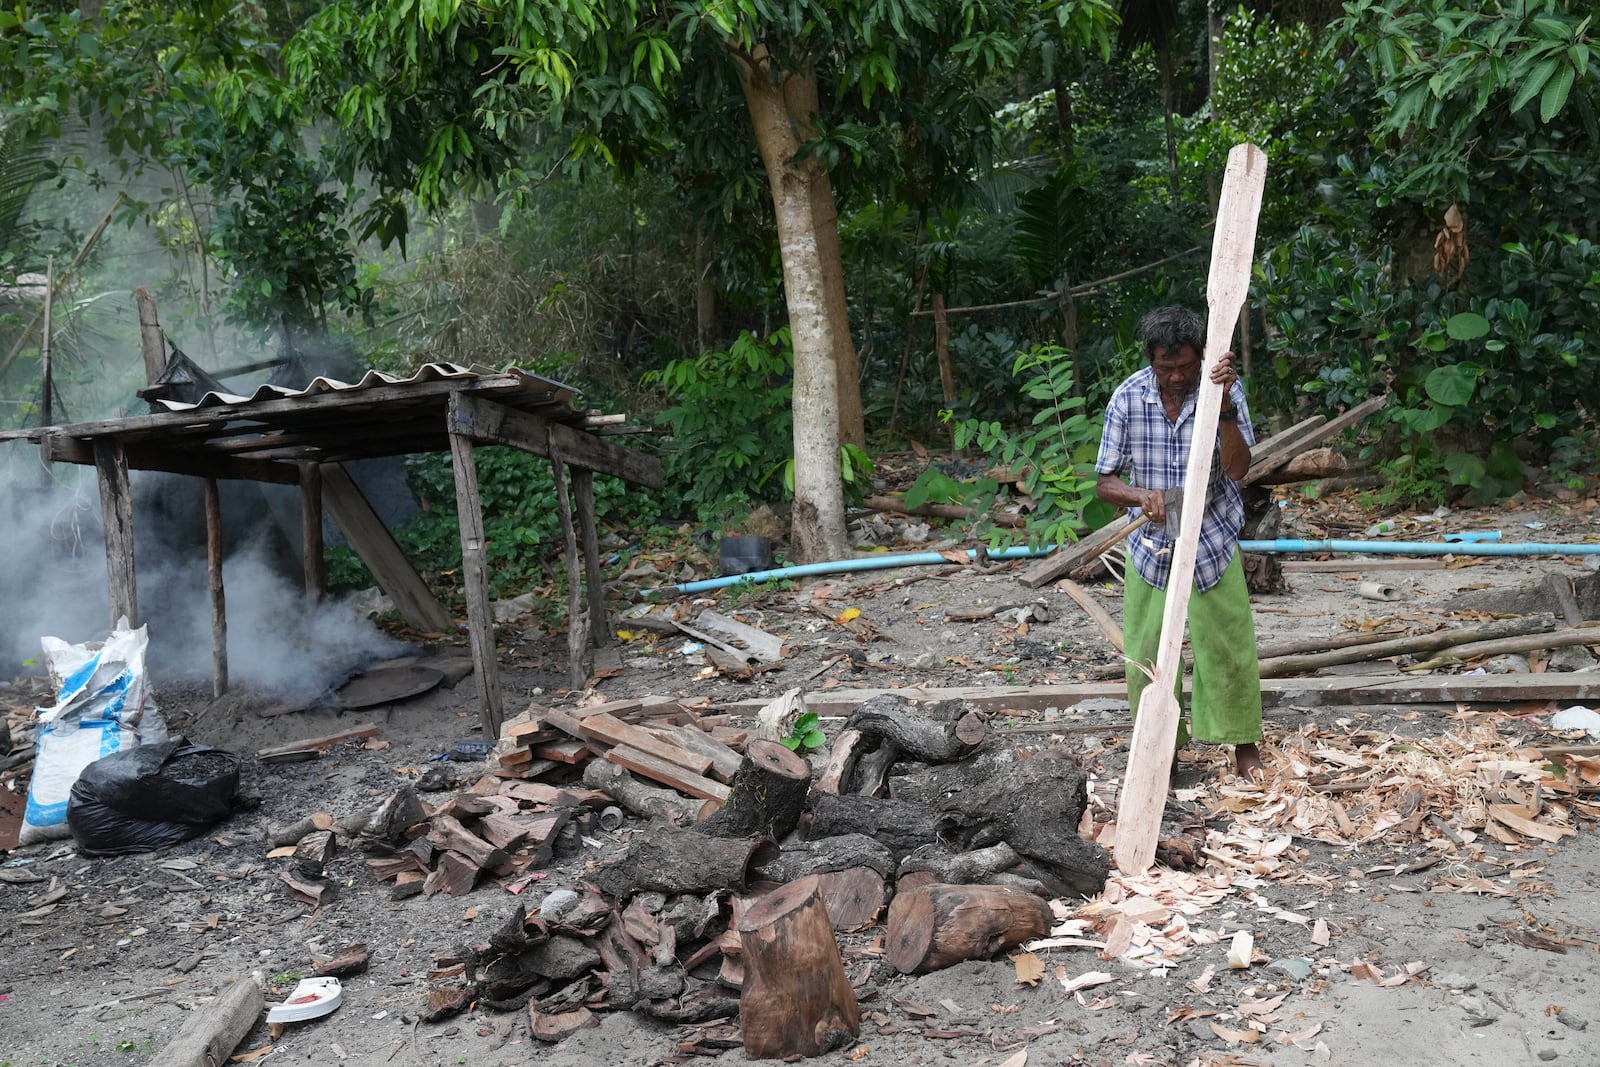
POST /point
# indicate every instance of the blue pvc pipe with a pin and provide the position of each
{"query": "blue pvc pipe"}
(840, 566)
(1424, 548)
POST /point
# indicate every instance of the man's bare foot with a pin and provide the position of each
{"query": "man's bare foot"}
(1248, 761)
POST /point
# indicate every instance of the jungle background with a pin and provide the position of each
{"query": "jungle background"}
(738, 218)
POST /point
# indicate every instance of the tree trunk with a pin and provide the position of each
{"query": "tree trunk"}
(937, 926)
(796, 999)
(819, 523)
(767, 794)
(705, 288)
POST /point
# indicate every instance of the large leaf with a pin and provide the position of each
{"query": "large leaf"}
(1467, 326)
(1452, 385)
(1555, 93)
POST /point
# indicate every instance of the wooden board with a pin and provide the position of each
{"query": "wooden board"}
(671, 774)
(614, 731)
(316, 744)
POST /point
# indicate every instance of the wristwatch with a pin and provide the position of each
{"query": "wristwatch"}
(1228, 413)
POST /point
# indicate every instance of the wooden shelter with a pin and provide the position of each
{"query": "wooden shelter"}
(301, 437)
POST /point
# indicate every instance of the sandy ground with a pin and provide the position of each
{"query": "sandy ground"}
(109, 972)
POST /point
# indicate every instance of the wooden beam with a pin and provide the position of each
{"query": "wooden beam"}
(116, 512)
(1266, 455)
(197, 461)
(219, 611)
(372, 541)
(313, 565)
(488, 422)
(1070, 557)
(1326, 431)
(577, 624)
(475, 582)
(589, 534)
(152, 342)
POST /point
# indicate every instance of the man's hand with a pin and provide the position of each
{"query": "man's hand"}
(1153, 502)
(1223, 374)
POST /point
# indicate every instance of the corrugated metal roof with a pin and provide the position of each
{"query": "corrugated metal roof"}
(428, 372)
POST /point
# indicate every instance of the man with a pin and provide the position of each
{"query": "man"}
(1144, 451)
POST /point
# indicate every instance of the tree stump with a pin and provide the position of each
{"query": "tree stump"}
(935, 926)
(796, 999)
(766, 795)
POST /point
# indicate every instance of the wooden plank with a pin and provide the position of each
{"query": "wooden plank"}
(578, 656)
(1324, 432)
(724, 760)
(116, 513)
(1281, 447)
(1069, 558)
(316, 744)
(219, 611)
(670, 774)
(475, 584)
(489, 422)
(570, 751)
(1150, 751)
(313, 565)
(1361, 565)
(371, 540)
(614, 731)
(589, 536)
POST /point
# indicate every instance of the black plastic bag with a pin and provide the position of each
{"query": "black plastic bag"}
(151, 796)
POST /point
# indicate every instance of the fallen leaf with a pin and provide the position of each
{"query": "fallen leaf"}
(847, 615)
(469, 914)
(1236, 1037)
(1298, 1036)
(1030, 968)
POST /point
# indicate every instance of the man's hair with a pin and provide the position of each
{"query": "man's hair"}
(1171, 328)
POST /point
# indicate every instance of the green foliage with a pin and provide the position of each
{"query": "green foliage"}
(730, 418)
(1054, 453)
(806, 734)
(933, 486)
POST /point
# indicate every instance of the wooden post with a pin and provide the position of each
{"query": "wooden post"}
(372, 541)
(1150, 750)
(313, 563)
(577, 624)
(475, 582)
(796, 999)
(219, 614)
(44, 342)
(152, 342)
(116, 513)
(583, 495)
(941, 349)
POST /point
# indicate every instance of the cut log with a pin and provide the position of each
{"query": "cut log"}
(279, 835)
(682, 861)
(663, 805)
(901, 827)
(965, 868)
(766, 796)
(854, 896)
(796, 999)
(930, 735)
(213, 1031)
(842, 755)
(935, 926)
(448, 834)
(399, 811)
(1307, 466)
(679, 778)
(841, 853)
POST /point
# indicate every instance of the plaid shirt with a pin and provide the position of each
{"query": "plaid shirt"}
(1140, 445)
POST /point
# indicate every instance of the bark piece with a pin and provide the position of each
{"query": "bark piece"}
(842, 755)
(941, 734)
(562, 957)
(664, 805)
(901, 827)
(314, 852)
(935, 926)
(560, 1026)
(766, 795)
(681, 861)
(796, 999)
(350, 962)
(311, 891)
(965, 868)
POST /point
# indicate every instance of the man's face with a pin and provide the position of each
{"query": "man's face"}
(1177, 371)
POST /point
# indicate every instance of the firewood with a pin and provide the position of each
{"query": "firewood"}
(454, 876)
(795, 999)
(853, 896)
(935, 926)
(681, 861)
(558, 1027)
(554, 797)
(443, 1003)
(842, 755)
(387, 867)
(211, 1033)
(941, 734)
(1307, 466)
(871, 778)
(308, 890)
(675, 775)
(840, 853)
(388, 822)
(902, 827)
(614, 731)
(348, 963)
(279, 836)
(509, 833)
(447, 833)
(766, 795)
(697, 1004)
(562, 957)
(664, 805)
(313, 853)
(724, 760)
(568, 751)
(964, 868)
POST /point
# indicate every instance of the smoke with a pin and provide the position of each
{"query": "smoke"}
(53, 582)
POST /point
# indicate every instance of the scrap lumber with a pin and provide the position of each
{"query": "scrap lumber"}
(1399, 646)
(1096, 612)
(214, 1030)
(766, 795)
(665, 805)
(610, 730)
(313, 746)
(724, 758)
(1270, 461)
(937, 926)
(796, 999)
(1069, 559)
(672, 774)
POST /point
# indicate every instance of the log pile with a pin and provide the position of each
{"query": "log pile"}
(749, 864)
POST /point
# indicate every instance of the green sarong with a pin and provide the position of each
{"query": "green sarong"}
(1226, 705)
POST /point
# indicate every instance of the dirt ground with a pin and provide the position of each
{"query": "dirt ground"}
(102, 960)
